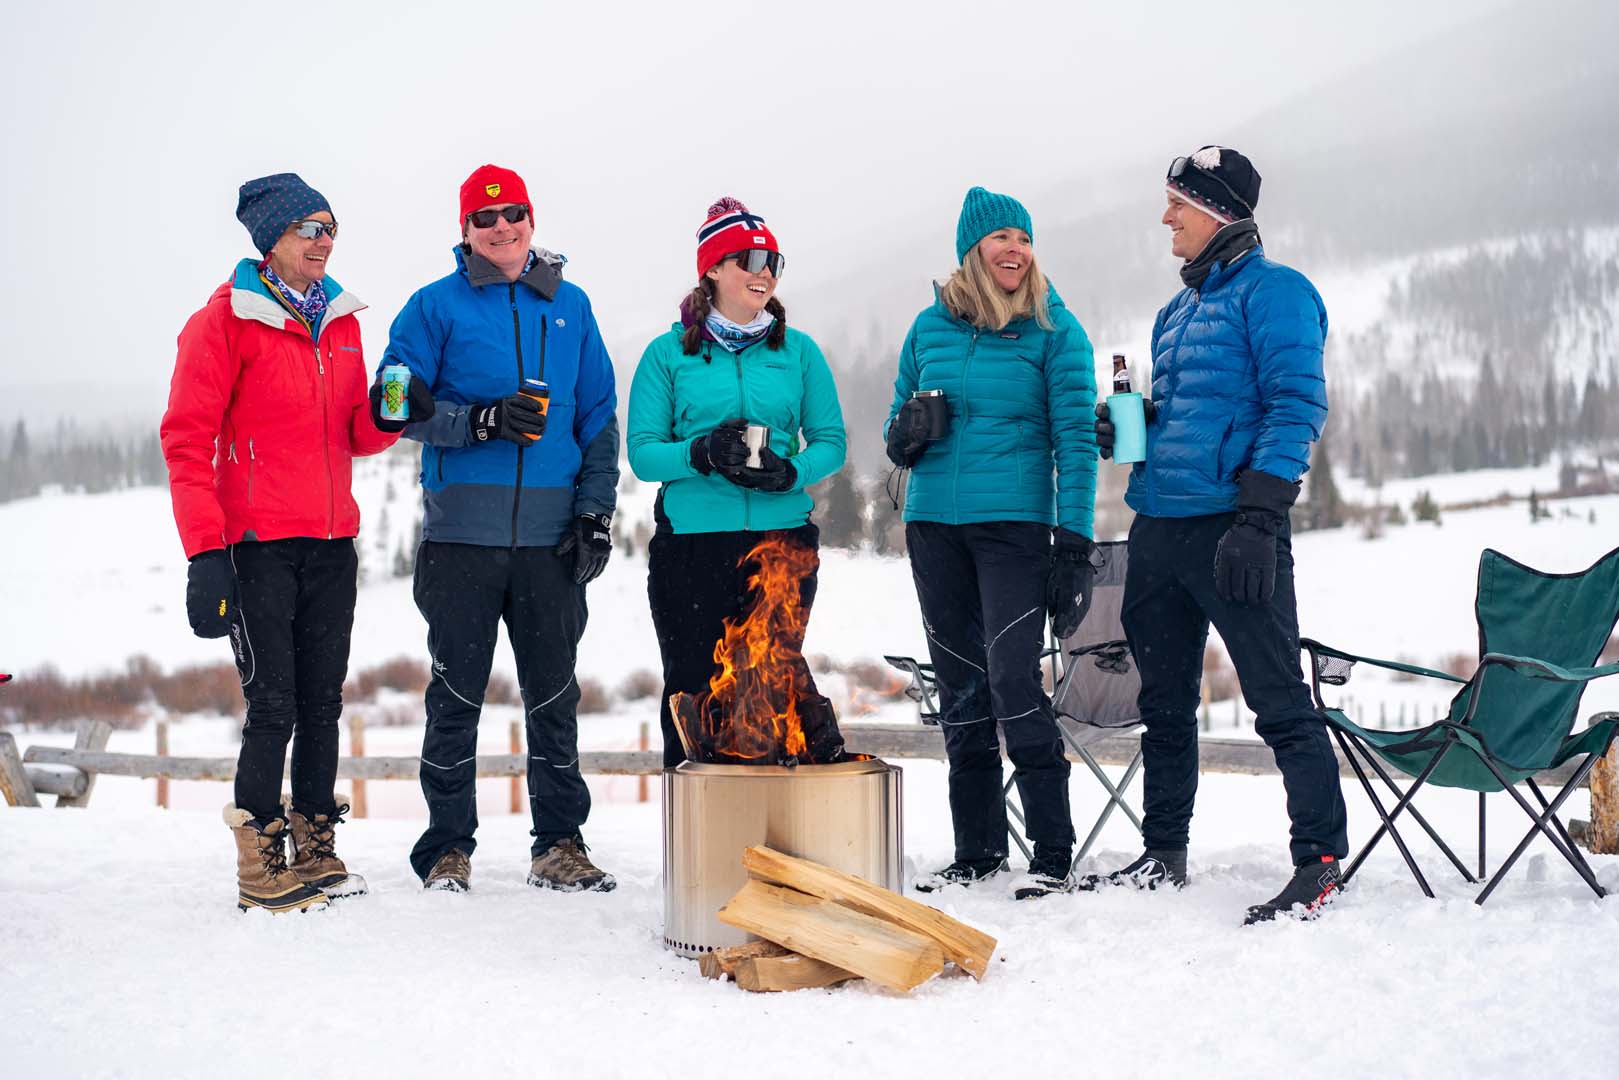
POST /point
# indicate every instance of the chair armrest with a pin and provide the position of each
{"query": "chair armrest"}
(1315, 648)
(1544, 669)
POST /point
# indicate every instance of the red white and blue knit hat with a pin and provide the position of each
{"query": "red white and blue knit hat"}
(731, 228)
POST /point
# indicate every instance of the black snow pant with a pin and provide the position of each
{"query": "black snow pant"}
(465, 591)
(982, 589)
(291, 640)
(695, 581)
(1169, 601)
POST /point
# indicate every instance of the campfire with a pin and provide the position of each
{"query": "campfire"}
(759, 708)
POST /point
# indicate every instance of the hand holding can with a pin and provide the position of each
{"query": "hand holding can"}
(537, 390)
(395, 392)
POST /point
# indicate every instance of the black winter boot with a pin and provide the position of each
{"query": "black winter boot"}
(1048, 873)
(960, 872)
(1155, 868)
(1313, 886)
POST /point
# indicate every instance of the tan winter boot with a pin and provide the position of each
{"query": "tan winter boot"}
(452, 873)
(262, 877)
(565, 866)
(314, 854)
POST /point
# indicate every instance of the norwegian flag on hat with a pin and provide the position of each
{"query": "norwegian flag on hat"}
(730, 228)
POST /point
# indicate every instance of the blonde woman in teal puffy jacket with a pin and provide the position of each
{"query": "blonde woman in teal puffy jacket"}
(730, 362)
(998, 529)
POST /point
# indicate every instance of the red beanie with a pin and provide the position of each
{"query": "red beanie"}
(729, 229)
(488, 185)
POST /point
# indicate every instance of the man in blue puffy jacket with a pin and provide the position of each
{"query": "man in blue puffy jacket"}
(1238, 395)
(519, 481)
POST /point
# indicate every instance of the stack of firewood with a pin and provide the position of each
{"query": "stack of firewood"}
(821, 927)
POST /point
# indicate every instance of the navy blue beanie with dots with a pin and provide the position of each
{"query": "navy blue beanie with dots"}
(271, 203)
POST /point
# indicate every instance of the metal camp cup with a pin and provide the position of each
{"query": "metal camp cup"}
(937, 410)
(757, 437)
(1129, 419)
(396, 392)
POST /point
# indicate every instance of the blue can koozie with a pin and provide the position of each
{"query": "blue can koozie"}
(1129, 427)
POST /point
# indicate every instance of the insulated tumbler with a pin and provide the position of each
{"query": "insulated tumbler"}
(539, 391)
(1129, 427)
(937, 410)
(757, 438)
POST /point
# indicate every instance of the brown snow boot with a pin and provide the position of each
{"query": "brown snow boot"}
(314, 853)
(263, 879)
(565, 866)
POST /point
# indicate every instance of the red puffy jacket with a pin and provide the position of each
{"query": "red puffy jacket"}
(263, 421)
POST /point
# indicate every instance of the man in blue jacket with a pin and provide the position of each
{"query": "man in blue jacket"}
(519, 481)
(1238, 395)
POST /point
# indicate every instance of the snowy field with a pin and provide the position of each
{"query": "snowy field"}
(119, 920)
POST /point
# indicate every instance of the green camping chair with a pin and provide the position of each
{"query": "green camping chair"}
(1539, 637)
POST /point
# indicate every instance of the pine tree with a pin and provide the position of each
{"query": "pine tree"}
(1325, 508)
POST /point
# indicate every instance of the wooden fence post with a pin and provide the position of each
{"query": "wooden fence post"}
(163, 751)
(14, 782)
(93, 735)
(517, 781)
(1604, 831)
(640, 781)
(357, 749)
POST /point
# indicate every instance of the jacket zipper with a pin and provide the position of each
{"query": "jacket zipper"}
(955, 479)
(251, 458)
(517, 345)
(742, 404)
(326, 445)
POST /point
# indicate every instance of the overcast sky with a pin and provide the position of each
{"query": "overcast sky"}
(128, 129)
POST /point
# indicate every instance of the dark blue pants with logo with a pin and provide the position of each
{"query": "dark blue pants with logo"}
(465, 592)
(1169, 602)
(291, 641)
(982, 588)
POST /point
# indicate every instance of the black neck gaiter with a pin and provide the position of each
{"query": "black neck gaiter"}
(1223, 247)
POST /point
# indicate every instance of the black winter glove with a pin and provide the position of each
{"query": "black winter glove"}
(775, 473)
(211, 593)
(908, 434)
(1105, 431)
(516, 419)
(421, 406)
(1068, 585)
(589, 540)
(724, 449)
(1245, 558)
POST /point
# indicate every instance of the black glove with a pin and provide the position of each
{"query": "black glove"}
(775, 473)
(725, 449)
(1104, 424)
(516, 419)
(211, 593)
(589, 540)
(421, 406)
(1245, 558)
(908, 434)
(1068, 585)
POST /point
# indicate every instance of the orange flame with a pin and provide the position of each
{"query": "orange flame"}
(751, 709)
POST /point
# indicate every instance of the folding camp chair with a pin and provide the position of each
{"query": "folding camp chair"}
(1096, 685)
(1539, 637)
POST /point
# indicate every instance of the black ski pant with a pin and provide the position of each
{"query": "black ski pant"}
(291, 640)
(465, 591)
(695, 581)
(1169, 601)
(982, 589)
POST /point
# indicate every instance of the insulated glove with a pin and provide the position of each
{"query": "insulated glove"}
(589, 540)
(421, 406)
(516, 419)
(211, 593)
(724, 449)
(1105, 431)
(1068, 585)
(1245, 558)
(908, 434)
(775, 473)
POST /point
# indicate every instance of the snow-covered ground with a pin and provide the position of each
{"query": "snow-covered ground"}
(121, 952)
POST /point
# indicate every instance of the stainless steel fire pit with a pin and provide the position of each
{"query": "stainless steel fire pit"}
(845, 815)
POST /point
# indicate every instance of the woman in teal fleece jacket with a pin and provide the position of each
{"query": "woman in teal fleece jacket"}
(730, 361)
(998, 529)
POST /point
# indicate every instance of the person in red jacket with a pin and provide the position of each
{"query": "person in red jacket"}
(267, 409)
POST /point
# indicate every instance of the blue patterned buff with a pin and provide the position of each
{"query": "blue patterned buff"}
(311, 304)
(735, 336)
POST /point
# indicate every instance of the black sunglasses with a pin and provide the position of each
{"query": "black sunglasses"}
(757, 261)
(1178, 167)
(309, 228)
(485, 219)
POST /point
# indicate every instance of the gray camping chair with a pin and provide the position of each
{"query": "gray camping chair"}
(1096, 685)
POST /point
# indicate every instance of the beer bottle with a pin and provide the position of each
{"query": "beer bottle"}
(1121, 375)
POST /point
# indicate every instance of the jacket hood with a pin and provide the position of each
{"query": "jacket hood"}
(251, 298)
(543, 277)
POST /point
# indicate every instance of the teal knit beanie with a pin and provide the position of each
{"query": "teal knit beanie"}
(982, 212)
